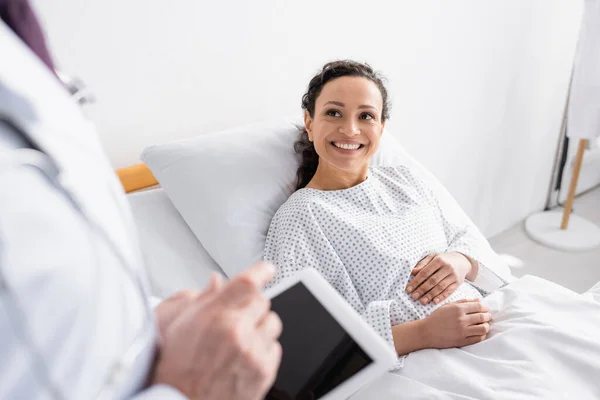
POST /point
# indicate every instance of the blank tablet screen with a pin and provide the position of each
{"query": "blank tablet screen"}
(318, 354)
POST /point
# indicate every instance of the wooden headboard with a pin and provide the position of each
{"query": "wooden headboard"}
(136, 177)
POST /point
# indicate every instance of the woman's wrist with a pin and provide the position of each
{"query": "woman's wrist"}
(473, 270)
(410, 336)
(471, 267)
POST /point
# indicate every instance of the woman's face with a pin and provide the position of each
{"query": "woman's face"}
(347, 123)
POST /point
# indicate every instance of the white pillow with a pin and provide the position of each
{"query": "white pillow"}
(228, 185)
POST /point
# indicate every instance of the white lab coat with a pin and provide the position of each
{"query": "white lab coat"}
(71, 301)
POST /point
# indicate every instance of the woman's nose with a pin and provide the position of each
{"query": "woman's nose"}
(350, 128)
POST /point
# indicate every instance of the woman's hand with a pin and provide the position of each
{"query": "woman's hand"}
(437, 276)
(457, 324)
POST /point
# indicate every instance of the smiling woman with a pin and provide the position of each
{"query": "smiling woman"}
(345, 109)
(377, 234)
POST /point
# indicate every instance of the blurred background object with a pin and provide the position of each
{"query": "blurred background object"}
(581, 126)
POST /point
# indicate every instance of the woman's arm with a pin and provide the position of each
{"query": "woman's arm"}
(457, 324)
(488, 271)
(409, 337)
(474, 268)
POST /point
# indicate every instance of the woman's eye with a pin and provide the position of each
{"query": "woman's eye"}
(367, 116)
(333, 113)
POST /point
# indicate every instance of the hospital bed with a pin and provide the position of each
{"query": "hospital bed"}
(175, 253)
(205, 175)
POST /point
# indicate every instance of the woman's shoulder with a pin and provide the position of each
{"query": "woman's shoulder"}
(401, 177)
(402, 172)
(298, 204)
(293, 217)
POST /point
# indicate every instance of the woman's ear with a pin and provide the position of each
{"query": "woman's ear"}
(308, 125)
(383, 127)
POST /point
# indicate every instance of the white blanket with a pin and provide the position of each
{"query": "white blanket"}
(544, 343)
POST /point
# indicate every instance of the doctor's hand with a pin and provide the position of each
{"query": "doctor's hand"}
(167, 310)
(457, 324)
(224, 344)
(437, 276)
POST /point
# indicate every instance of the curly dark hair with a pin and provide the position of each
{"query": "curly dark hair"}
(304, 148)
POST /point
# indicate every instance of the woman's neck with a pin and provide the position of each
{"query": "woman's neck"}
(330, 178)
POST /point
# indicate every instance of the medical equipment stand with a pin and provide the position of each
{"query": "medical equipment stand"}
(564, 231)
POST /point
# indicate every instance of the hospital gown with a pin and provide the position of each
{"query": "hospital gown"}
(365, 240)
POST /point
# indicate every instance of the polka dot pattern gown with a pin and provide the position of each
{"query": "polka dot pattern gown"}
(366, 240)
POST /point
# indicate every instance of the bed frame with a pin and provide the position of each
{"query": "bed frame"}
(136, 177)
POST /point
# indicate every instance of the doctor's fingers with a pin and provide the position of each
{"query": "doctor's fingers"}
(255, 310)
(247, 285)
(247, 309)
(270, 327)
(252, 352)
(264, 355)
(271, 361)
(169, 309)
(260, 365)
(214, 287)
(257, 275)
(215, 284)
(186, 297)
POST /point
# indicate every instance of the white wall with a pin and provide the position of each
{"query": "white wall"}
(478, 86)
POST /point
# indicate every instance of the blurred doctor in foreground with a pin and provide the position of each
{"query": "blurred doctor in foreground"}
(75, 322)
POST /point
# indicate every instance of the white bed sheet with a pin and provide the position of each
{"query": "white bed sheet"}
(544, 343)
(175, 259)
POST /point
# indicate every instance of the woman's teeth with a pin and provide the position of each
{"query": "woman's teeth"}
(346, 146)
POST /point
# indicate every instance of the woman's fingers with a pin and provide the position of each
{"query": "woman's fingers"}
(434, 293)
(422, 272)
(467, 301)
(422, 282)
(478, 330)
(475, 308)
(478, 318)
(447, 292)
(423, 263)
(432, 282)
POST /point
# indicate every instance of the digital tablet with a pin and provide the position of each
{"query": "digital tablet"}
(329, 351)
